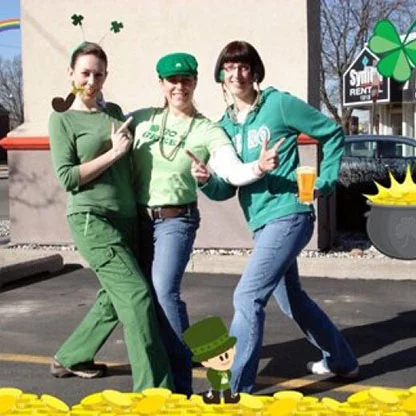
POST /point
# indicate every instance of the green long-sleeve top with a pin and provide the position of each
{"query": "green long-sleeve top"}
(278, 115)
(77, 137)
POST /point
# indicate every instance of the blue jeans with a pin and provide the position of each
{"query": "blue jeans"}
(165, 247)
(272, 270)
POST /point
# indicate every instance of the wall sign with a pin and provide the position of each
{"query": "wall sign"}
(360, 77)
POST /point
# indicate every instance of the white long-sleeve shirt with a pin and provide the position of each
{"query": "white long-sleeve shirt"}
(226, 164)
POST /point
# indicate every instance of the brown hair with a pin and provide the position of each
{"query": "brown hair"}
(88, 48)
(240, 51)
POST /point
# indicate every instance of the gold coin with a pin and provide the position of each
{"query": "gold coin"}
(7, 403)
(10, 391)
(401, 393)
(149, 405)
(265, 399)
(288, 394)
(359, 398)
(330, 404)
(350, 411)
(412, 390)
(178, 397)
(92, 400)
(157, 391)
(250, 402)
(383, 396)
(134, 396)
(308, 400)
(27, 397)
(79, 407)
(30, 411)
(116, 398)
(83, 412)
(409, 404)
(283, 407)
(54, 403)
(37, 403)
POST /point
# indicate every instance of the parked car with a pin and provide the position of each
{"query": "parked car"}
(369, 158)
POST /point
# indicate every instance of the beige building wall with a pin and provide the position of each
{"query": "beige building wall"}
(285, 32)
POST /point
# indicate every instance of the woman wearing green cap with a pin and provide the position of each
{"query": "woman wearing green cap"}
(90, 146)
(166, 192)
(282, 226)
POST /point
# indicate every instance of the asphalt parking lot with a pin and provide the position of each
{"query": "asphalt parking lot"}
(377, 316)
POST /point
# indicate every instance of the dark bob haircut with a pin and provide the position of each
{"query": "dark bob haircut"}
(240, 51)
(88, 48)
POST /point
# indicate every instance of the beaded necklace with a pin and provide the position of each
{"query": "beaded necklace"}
(172, 154)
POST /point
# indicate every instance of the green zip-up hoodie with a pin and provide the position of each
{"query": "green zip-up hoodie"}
(278, 114)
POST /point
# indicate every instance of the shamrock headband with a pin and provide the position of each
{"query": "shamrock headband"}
(114, 27)
(60, 104)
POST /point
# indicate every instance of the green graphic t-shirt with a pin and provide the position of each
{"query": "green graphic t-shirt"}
(162, 171)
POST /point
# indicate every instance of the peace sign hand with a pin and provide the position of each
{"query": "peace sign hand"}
(269, 158)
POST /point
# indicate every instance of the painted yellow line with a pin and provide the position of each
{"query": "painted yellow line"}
(37, 359)
(297, 383)
(25, 358)
(276, 382)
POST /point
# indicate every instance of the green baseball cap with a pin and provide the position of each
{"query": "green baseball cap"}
(208, 338)
(179, 63)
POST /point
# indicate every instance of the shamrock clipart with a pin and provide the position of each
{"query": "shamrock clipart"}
(397, 57)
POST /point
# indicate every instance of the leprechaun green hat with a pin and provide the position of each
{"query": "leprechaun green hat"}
(178, 63)
(208, 338)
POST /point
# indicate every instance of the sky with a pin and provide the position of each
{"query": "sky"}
(10, 39)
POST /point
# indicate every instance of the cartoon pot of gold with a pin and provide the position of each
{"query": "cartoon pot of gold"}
(391, 221)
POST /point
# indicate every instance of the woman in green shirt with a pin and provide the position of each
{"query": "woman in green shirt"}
(90, 145)
(166, 193)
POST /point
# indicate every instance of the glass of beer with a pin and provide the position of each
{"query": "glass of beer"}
(306, 177)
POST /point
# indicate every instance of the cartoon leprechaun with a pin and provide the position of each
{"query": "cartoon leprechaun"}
(211, 345)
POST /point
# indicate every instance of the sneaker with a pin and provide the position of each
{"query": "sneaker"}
(320, 368)
(82, 370)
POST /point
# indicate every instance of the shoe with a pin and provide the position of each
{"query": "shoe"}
(212, 397)
(231, 398)
(82, 370)
(320, 368)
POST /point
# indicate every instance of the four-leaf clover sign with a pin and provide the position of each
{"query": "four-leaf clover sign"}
(397, 57)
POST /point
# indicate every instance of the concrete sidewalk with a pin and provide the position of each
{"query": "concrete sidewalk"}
(20, 263)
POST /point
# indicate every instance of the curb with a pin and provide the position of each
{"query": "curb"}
(329, 267)
(16, 271)
(25, 263)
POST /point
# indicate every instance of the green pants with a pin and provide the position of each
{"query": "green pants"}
(106, 244)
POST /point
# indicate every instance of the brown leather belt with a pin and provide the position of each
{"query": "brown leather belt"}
(171, 211)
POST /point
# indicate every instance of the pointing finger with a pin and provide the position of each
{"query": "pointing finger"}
(125, 125)
(193, 157)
